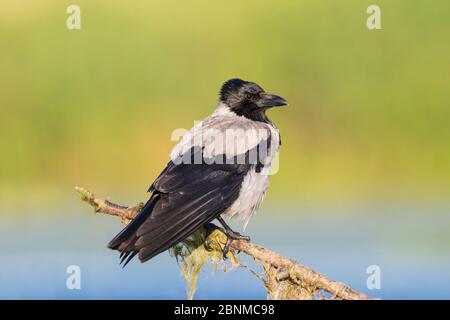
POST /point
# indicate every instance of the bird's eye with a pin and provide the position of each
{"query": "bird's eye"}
(248, 96)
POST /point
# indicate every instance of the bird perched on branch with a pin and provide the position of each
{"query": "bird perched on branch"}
(220, 169)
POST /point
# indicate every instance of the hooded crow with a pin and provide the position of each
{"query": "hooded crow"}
(219, 169)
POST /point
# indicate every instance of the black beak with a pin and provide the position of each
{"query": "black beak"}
(268, 100)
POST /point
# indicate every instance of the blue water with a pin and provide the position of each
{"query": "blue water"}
(411, 246)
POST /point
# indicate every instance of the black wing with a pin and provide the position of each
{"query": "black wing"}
(185, 197)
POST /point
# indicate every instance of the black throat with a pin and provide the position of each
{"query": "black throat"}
(255, 114)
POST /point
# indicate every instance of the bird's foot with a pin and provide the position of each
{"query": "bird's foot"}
(232, 235)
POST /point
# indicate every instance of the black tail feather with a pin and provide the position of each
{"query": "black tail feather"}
(124, 242)
(126, 257)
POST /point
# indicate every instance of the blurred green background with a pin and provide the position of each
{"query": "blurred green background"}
(369, 110)
(364, 173)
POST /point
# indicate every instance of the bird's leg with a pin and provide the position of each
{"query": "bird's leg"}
(231, 235)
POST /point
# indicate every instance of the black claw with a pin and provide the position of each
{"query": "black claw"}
(207, 244)
(245, 238)
(226, 249)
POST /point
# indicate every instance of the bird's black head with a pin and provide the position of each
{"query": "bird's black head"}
(248, 99)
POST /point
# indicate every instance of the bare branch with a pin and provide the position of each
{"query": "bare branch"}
(283, 278)
(125, 213)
